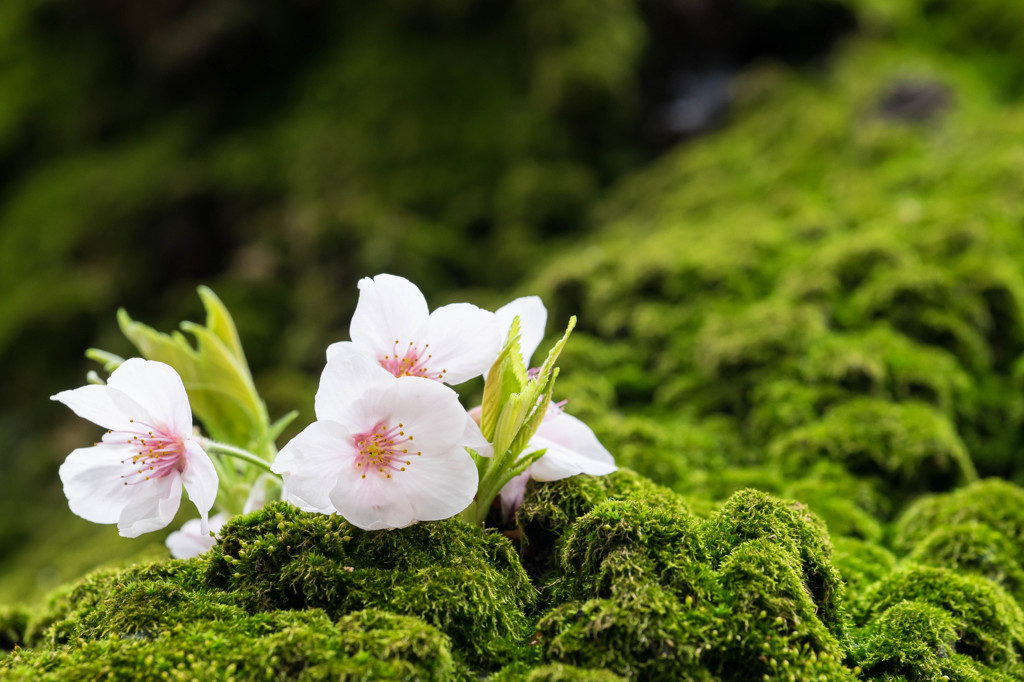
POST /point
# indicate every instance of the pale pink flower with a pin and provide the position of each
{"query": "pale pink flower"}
(393, 327)
(134, 476)
(191, 541)
(570, 447)
(385, 452)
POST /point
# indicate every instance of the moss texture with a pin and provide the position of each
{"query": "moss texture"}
(802, 335)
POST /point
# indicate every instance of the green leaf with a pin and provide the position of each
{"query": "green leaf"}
(109, 361)
(506, 378)
(216, 376)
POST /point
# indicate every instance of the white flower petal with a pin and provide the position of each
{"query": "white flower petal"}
(101, 405)
(429, 412)
(200, 479)
(389, 309)
(439, 486)
(152, 507)
(533, 319)
(190, 541)
(93, 482)
(463, 339)
(371, 503)
(473, 438)
(311, 462)
(572, 448)
(347, 376)
(158, 389)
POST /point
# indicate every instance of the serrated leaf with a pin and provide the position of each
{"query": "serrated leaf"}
(506, 378)
(535, 418)
(215, 374)
(220, 322)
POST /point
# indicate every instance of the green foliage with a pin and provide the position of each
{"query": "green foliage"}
(13, 623)
(860, 562)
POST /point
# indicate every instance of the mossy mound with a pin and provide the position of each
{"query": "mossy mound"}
(986, 623)
(996, 503)
(650, 591)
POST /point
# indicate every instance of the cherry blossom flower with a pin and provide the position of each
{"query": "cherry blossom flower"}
(385, 452)
(392, 326)
(134, 476)
(570, 447)
(191, 541)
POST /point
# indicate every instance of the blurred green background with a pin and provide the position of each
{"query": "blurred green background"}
(697, 180)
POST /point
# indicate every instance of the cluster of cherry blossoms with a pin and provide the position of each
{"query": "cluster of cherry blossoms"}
(391, 444)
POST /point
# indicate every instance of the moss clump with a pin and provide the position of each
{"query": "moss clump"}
(554, 672)
(916, 641)
(911, 445)
(994, 502)
(13, 624)
(849, 506)
(303, 645)
(974, 548)
(989, 623)
(861, 563)
(791, 527)
(653, 592)
(467, 582)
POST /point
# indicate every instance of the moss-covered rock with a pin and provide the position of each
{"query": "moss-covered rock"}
(989, 623)
(909, 444)
(974, 548)
(994, 502)
(466, 582)
(279, 645)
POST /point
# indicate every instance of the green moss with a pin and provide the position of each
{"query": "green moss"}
(909, 444)
(467, 582)
(848, 506)
(917, 641)
(989, 623)
(620, 546)
(554, 672)
(792, 528)
(303, 645)
(861, 563)
(13, 624)
(994, 502)
(974, 548)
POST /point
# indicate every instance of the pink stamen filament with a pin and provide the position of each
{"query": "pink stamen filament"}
(411, 361)
(385, 450)
(158, 453)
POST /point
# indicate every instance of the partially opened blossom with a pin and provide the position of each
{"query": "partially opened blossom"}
(393, 327)
(134, 476)
(385, 452)
(191, 541)
(570, 448)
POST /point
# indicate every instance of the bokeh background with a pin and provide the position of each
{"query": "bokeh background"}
(776, 219)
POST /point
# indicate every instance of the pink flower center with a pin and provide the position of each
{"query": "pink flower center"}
(411, 361)
(385, 450)
(158, 453)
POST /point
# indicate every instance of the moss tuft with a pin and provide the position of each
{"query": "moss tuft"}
(994, 502)
(989, 623)
(753, 515)
(911, 445)
(467, 582)
(281, 645)
(976, 548)
(13, 624)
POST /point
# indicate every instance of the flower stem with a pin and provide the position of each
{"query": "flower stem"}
(237, 453)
